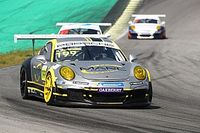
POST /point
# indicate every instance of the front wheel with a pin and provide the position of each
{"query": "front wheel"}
(23, 83)
(150, 92)
(48, 90)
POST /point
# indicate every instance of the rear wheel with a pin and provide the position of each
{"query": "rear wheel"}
(23, 83)
(48, 90)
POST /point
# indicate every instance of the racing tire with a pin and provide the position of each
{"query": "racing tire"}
(129, 37)
(49, 98)
(23, 83)
(150, 92)
(164, 36)
(132, 36)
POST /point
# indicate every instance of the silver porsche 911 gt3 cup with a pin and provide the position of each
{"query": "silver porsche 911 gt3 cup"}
(88, 69)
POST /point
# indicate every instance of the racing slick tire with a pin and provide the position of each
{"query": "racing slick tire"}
(150, 92)
(163, 36)
(24, 77)
(132, 36)
(23, 83)
(49, 98)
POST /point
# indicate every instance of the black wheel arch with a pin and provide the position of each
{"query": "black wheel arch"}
(27, 66)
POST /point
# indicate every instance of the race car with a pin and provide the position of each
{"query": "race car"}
(147, 27)
(84, 69)
(81, 28)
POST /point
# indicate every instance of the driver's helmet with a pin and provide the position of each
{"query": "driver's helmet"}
(99, 53)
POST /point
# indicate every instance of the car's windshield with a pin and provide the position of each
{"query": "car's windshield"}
(89, 53)
(154, 21)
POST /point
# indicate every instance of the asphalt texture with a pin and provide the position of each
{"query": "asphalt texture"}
(174, 64)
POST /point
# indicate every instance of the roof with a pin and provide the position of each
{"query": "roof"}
(87, 41)
(148, 16)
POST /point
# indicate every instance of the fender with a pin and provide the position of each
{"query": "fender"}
(27, 65)
(148, 75)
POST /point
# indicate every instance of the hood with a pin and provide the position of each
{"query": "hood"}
(101, 70)
(145, 27)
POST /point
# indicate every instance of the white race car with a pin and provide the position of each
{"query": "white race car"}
(147, 27)
(81, 28)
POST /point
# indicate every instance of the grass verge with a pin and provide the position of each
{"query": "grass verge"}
(15, 58)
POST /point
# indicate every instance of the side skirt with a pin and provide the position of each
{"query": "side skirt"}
(37, 90)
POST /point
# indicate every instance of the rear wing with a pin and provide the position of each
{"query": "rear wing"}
(53, 36)
(149, 15)
(98, 24)
(34, 37)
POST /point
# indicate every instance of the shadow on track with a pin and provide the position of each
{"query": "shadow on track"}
(31, 103)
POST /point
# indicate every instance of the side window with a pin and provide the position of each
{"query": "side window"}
(42, 52)
(47, 50)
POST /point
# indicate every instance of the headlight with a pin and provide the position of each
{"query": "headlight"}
(158, 27)
(67, 73)
(132, 27)
(139, 73)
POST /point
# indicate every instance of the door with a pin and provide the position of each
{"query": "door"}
(40, 64)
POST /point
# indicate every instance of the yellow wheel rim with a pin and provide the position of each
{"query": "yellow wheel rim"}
(48, 88)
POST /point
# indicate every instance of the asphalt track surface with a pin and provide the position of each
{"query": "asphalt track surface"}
(174, 64)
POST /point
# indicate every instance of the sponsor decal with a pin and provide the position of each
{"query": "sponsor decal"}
(80, 83)
(75, 44)
(111, 84)
(110, 90)
(136, 83)
(103, 68)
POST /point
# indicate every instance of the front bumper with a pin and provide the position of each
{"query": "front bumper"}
(145, 35)
(93, 97)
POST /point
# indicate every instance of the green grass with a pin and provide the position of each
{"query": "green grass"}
(15, 58)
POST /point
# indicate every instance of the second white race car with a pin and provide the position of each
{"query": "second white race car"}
(81, 28)
(147, 27)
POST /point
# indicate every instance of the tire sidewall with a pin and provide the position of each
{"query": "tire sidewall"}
(24, 92)
(150, 92)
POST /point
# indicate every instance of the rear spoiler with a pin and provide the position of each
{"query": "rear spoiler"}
(53, 36)
(98, 24)
(149, 15)
(34, 37)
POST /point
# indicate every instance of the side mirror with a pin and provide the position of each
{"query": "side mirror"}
(130, 22)
(108, 35)
(41, 58)
(163, 23)
(132, 58)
